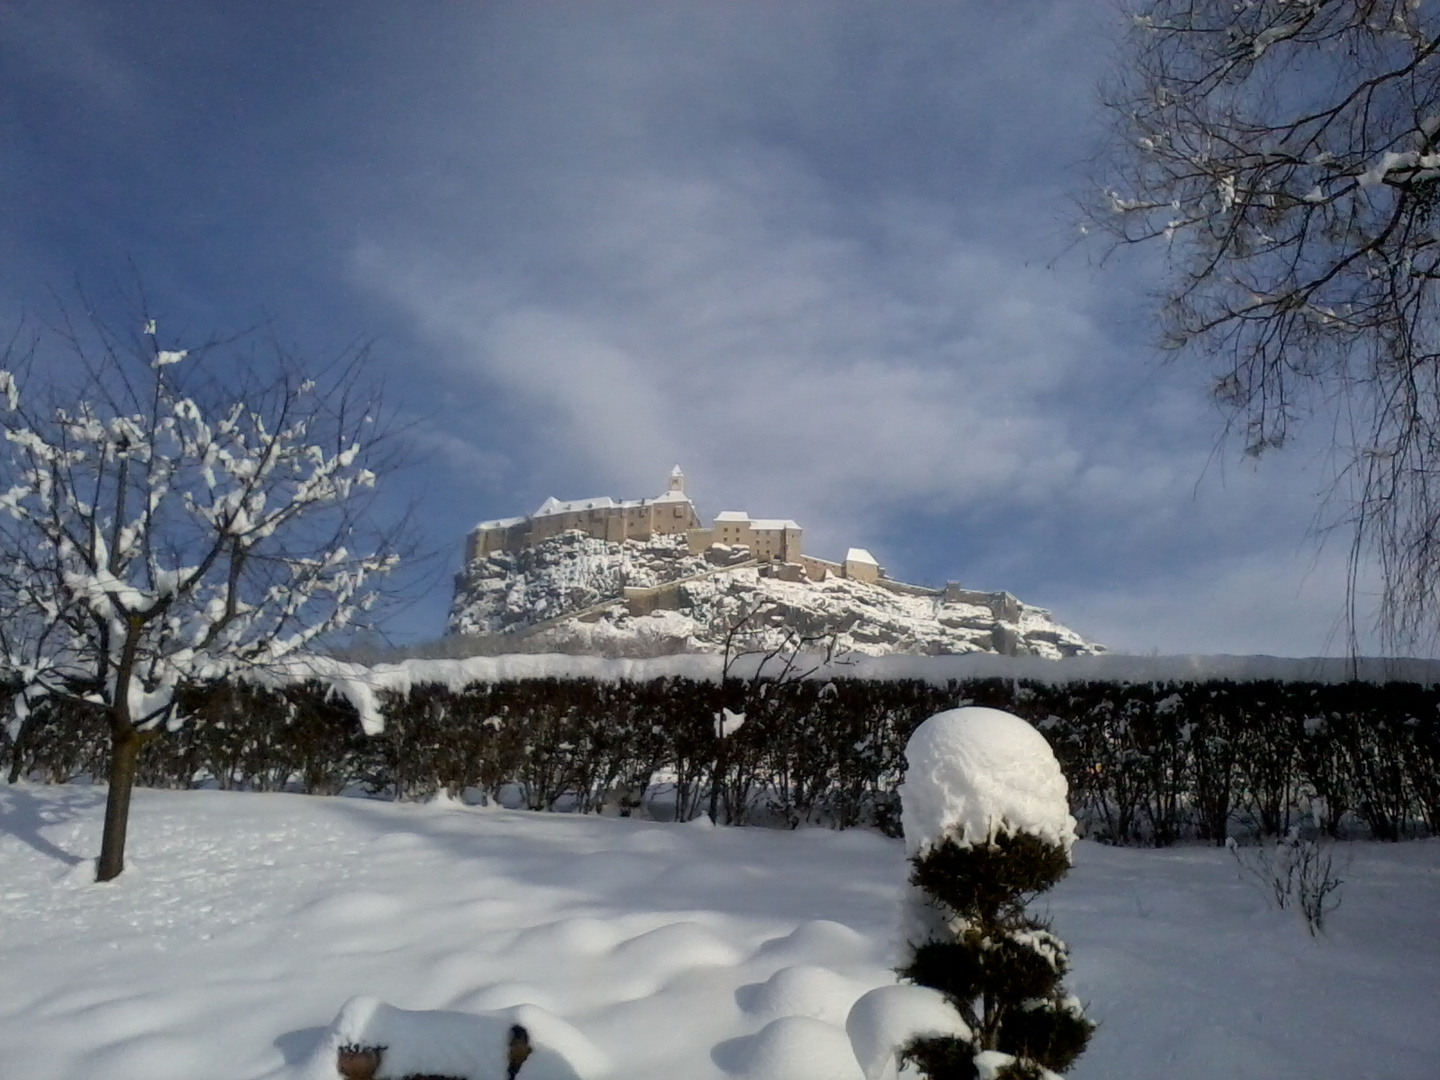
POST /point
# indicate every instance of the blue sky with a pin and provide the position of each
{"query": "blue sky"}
(822, 255)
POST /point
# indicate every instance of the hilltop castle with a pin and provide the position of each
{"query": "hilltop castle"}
(774, 541)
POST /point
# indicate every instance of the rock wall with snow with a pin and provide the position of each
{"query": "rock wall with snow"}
(640, 598)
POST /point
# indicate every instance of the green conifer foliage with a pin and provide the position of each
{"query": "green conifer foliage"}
(999, 967)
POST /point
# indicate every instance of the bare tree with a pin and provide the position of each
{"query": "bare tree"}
(1285, 154)
(158, 530)
(762, 654)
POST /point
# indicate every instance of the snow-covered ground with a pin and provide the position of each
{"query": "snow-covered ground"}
(645, 950)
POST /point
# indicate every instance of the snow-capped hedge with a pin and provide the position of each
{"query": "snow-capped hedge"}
(1153, 760)
(361, 684)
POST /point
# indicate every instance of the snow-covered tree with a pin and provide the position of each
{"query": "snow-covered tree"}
(987, 827)
(158, 531)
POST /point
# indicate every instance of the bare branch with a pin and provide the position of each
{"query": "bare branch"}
(1287, 152)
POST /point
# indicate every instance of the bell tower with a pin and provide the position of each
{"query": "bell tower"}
(677, 480)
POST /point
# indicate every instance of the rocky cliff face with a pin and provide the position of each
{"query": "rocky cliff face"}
(647, 598)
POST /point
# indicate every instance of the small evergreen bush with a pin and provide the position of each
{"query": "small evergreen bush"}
(1000, 967)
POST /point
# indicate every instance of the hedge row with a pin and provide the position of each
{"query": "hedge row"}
(1147, 762)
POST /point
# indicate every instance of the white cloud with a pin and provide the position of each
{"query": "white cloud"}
(463, 460)
(794, 366)
(712, 253)
(1271, 602)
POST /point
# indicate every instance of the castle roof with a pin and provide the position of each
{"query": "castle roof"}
(756, 523)
(860, 555)
(501, 523)
(553, 505)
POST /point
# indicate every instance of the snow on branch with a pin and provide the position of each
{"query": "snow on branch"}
(173, 543)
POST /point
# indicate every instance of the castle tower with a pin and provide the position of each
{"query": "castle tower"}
(677, 480)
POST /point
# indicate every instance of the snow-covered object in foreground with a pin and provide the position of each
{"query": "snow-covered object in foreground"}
(889, 1017)
(443, 1043)
(973, 773)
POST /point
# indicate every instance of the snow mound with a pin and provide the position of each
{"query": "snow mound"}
(973, 773)
(823, 938)
(801, 990)
(350, 909)
(888, 1017)
(791, 1048)
(445, 1043)
(676, 947)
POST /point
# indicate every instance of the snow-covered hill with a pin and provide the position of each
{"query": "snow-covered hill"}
(578, 593)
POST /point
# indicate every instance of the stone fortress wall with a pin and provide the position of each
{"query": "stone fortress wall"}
(602, 518)
(768, 540)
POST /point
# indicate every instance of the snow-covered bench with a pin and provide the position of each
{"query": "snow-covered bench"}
(370, 1040)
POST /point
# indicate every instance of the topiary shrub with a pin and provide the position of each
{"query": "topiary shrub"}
(988, 828)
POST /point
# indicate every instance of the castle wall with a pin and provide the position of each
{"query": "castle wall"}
(767, 540)
(859, 570)
(820, 569)
(1002, 605)
(671, 517)
(642, 520)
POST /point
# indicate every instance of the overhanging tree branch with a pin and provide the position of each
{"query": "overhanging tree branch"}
(1287, 154)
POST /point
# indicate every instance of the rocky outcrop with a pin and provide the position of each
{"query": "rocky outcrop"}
(640, 598)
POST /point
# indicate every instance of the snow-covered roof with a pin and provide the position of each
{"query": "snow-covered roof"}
(773, 523)
(553, 505)
(860, 555)
(500, 523)
(676, 471)
(732, 515)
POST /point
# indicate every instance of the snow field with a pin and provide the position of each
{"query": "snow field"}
(639, 950)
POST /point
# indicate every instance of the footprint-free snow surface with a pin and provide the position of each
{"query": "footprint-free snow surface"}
(642, 951)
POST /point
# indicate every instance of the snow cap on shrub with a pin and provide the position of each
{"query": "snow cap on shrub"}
(975, 773)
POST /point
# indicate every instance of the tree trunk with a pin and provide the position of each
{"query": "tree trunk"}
(125, 746)
(18, 749)
(717, 772)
